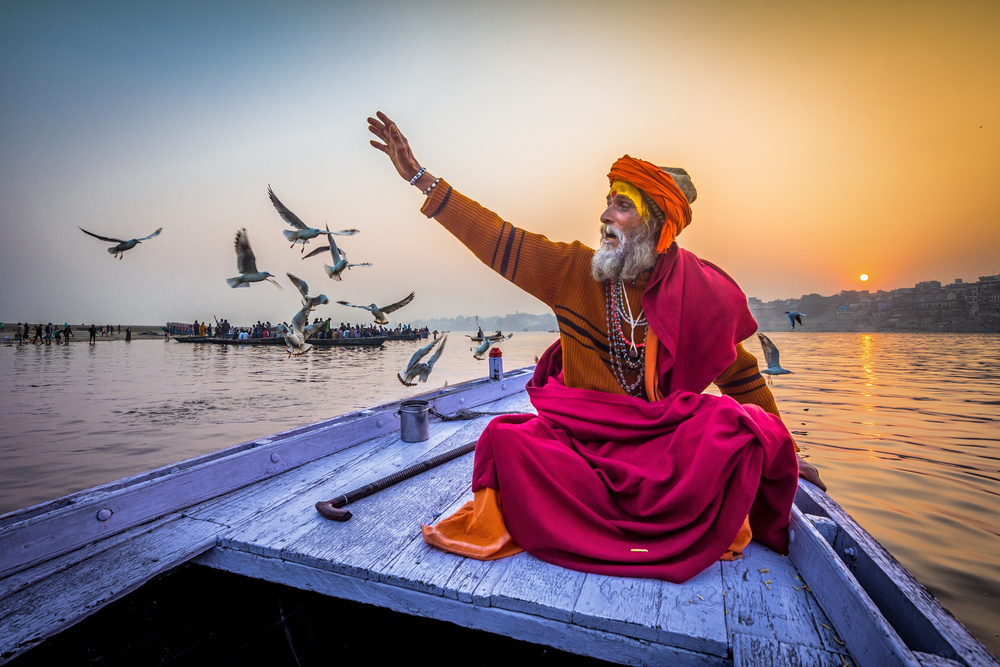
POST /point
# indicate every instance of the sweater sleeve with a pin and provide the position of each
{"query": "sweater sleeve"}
(531, 261)
(743, 382)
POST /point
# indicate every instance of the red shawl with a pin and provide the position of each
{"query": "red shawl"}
(617, 485)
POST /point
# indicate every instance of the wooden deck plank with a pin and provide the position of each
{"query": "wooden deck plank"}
(66, 597)
(422, 567)
(766, 597)
(758, 651)
(525, 627)
(292, 519)
(623, 605)
(532, 586)
(383, 524)
(693, 614)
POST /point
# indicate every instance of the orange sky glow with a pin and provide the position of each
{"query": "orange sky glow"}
(825, 140)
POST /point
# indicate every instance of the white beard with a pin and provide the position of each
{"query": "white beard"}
(636, 252)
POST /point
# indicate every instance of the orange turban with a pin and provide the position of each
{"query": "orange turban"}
(659, 186)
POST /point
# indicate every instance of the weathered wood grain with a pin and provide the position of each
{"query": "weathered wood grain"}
(918, 618)
(693, 614)
(757, 651)
(532, 586)
(626, 606)
(766, 597)
(861, 626)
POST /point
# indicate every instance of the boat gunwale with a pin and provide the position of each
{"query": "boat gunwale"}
(40, 532)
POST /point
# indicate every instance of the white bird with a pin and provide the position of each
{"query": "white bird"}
(771, 358)
(794, 316)
(380, 312)
(339, 258)
(246, 264)
(122, 245)
(309, 302)
(295, 339)
(480, 352)
(302, 232)
(418, 369)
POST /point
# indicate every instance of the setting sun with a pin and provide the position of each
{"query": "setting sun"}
(863, 277)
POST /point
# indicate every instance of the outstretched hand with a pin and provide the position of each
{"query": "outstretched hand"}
(808, 472)
(393, 144)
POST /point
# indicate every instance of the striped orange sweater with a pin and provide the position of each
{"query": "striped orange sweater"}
(558, 274)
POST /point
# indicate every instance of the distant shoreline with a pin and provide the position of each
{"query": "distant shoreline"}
(80, 333)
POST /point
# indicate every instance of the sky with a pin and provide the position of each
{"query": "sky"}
(826, 140)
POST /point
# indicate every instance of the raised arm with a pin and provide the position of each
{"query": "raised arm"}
(531, 261)
(394, 144)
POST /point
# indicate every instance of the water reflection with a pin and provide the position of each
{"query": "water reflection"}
(903, 427)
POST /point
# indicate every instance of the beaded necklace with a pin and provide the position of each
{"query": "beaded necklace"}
(628, 358)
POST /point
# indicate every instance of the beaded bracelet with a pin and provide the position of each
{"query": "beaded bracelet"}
(416, 177)
(428, 191)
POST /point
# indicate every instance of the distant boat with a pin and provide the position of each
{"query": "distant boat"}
(179, 329)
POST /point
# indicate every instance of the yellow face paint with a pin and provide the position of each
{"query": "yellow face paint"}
(628, 190)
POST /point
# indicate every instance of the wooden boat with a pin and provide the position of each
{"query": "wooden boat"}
(376, 341)
(247, 512)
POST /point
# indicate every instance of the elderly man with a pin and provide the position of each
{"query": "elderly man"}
(629, 468)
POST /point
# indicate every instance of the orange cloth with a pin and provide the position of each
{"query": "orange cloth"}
(735, 550)
(476, 530)
(661, 188)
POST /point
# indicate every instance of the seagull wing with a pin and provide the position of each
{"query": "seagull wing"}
(286, 215)
(300, 321)
(770, 351)
(421, 353)
(343, 232)
(437, 353)
(146, 238)
(245, 260)
(354, 305)
(317, 251)
(302, 286)
(103, 238)
(399, 304)
(335, 251)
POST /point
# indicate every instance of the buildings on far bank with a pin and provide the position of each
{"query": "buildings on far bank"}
(927, 306)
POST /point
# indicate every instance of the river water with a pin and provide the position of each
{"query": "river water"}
(905, 428)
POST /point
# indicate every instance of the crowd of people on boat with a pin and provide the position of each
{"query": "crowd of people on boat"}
(319, 328)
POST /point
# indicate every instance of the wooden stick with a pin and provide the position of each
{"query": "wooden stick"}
(329, 508)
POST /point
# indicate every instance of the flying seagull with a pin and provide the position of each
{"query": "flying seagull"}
(480, 352)
(301, 232)
(309, 303)
(419, 369)
(246, 264)
(339, 258)
(380, 312)
(295, 338)
(771, 358)
(794, 316)
(122, 245)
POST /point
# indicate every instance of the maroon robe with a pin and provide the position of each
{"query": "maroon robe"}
(617, 485)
